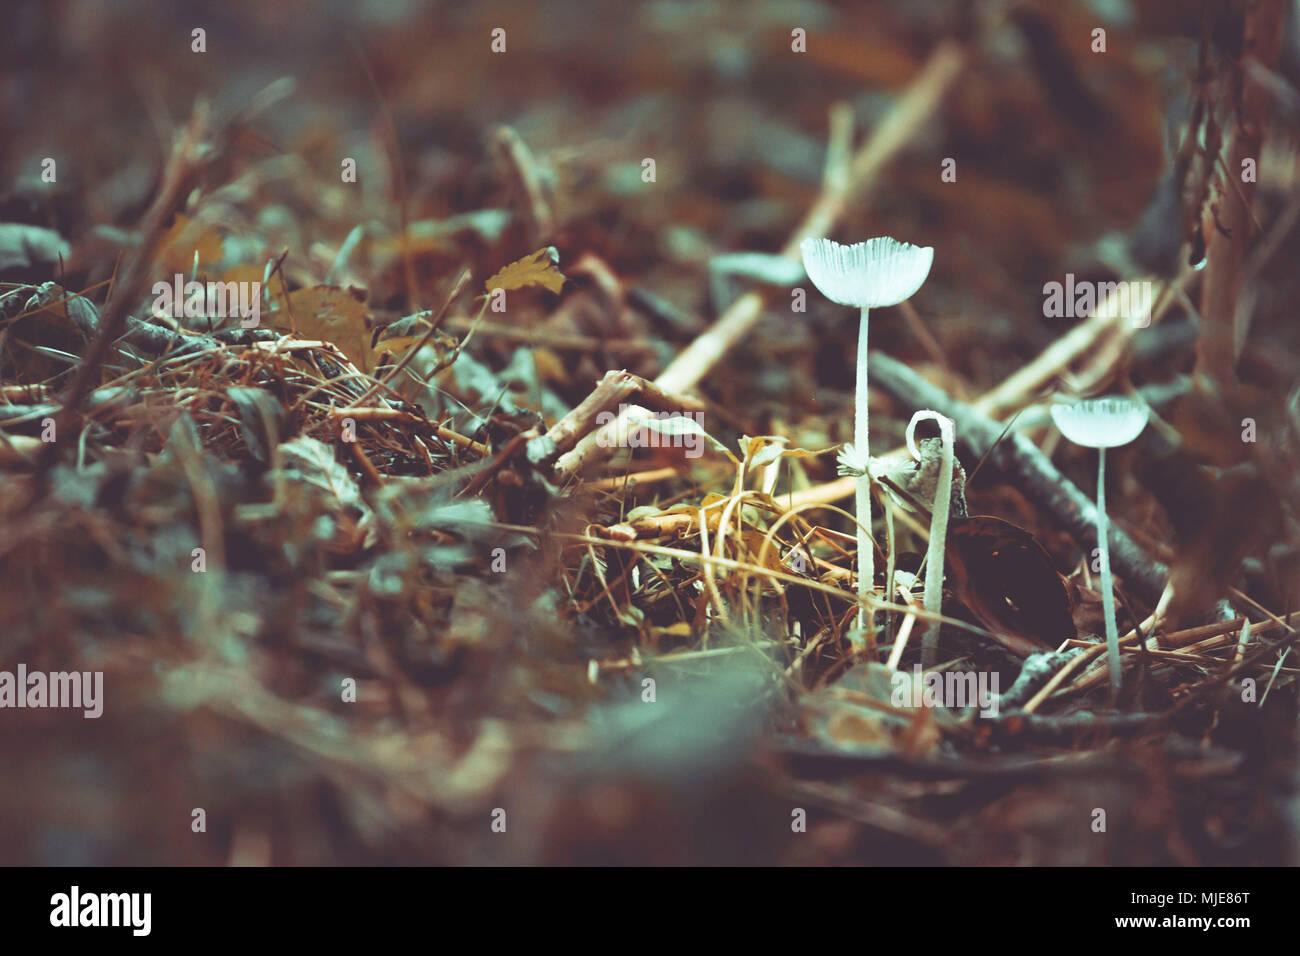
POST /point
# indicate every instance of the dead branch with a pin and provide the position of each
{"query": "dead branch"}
(1227, 249)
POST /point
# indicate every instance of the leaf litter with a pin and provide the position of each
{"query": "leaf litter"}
(391, 558)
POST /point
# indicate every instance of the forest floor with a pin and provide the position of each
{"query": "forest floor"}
(430, 434)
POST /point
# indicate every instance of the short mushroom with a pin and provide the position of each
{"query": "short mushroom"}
(866, 275)
(1103, 423)
(934, 557)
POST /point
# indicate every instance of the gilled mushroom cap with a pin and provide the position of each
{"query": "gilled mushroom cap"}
(868, 275)
(1102, 422)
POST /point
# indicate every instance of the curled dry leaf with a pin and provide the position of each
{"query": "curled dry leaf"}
(1008, 581)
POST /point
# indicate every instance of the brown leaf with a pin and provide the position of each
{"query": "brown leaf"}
(540, 268)
(1008, 580)
(332, 315)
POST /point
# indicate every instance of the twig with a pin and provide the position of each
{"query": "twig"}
(397, 414)
(1185, 638)
(554, 340)
(423, 340)
(610, 393)
(898, 128)
(1106, 321)
(127, 291)
(809, 756)
(878, 816)
(634, 479)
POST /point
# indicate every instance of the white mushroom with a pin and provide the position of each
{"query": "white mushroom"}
(938, 525)
(1103, 423)
(866, 275)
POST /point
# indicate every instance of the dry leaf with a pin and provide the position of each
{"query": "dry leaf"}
(332, 315)
(550, 367)
(43, 340)
(540, 268)
(313, 462)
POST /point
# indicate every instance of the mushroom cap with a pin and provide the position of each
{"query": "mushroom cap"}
(1102, 422)
(868, 275)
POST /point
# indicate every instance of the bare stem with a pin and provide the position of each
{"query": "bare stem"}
(862, 499)
(938, 535)
(1107, 585)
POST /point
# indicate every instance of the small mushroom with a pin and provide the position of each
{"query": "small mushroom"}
(938, 525)
(866, 275)
(1103, 423)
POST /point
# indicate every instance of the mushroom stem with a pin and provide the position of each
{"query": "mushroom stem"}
(934, 558)
(1107, 586)
(862, 489)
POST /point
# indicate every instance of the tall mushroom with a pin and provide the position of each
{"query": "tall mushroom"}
(1103, 423)
(866, 275)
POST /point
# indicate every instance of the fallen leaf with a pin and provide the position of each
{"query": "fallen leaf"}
(540, 268)
(312, 461)
(47, 335)
(332, 315)
(1008, 581)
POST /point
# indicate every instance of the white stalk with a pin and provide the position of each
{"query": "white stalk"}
(1103, 423)
(934, 558)
(862, 489)
(1107, 589)
(872, 274)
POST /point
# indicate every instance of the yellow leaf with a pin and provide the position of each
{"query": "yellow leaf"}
(395, 347)
(540, 268)
(682, 629)
(754, 541)
(330, 314)
(398, 345)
